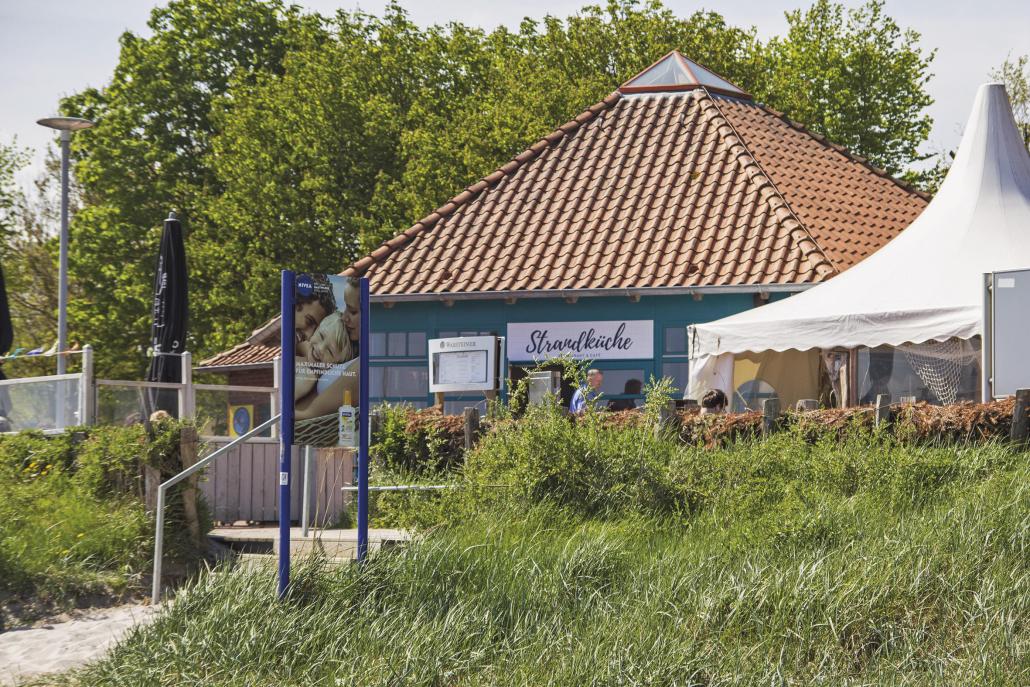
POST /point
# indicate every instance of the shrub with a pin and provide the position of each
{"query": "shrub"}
(72, 519)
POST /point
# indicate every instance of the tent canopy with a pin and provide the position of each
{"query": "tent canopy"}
(926, 284)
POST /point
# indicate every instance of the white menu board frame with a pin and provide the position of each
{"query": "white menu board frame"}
(458, 364)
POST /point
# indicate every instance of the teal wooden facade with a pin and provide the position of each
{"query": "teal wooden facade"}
(400, 332)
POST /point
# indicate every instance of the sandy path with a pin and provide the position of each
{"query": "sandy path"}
(62, 646)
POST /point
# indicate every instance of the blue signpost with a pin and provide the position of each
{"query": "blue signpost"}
(288, 368)
(365, 426)
(288, 361)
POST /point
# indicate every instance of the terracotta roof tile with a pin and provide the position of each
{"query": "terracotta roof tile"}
(244, 354)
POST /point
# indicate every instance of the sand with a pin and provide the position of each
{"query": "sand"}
(31, 652)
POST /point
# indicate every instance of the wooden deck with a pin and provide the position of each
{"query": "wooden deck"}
(334, 543)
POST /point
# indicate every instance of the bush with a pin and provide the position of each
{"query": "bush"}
(72, 519)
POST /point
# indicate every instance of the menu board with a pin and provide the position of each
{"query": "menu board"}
(461, 367)
(463, 364)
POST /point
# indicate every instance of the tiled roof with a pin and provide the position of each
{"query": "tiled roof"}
(639, 191)
(675, 189)
(244, 354)
(850, 207)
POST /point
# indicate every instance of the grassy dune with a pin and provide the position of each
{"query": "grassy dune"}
(839, 563)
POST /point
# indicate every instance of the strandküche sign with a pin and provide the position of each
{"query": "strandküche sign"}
(605, 340)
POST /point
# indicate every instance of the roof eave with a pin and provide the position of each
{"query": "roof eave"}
(589, 293)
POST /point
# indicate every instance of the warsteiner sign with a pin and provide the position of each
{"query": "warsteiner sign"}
(606, 340)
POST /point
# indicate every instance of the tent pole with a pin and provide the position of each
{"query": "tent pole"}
(987, 342)
(849, 380)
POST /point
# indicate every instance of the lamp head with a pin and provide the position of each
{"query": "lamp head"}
(65, 123)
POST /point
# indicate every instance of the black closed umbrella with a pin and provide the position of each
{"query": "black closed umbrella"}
(6, 339)
(170, 310)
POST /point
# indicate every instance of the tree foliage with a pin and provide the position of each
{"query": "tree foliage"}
(287, 139)
(1015, 74)
(854, 76)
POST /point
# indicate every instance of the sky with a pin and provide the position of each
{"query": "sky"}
(51, 48)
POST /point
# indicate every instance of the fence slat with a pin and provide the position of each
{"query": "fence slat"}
(770, 414)
(1020, 420)
(883, 409)
(471, 427)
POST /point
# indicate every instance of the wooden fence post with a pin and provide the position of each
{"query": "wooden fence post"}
(807, 404)
(1020, 420)
(188, 456)
(668, 418)
(471, 427)
(883, 409)
(375, 424)
(770, 413)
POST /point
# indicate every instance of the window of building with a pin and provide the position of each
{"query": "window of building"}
(398, 345)
(750, 394)
(676, 339)
(623, 383)
(453, 334)
(391, 382)
(679, 373)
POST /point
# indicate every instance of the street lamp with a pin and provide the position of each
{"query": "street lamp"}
(66, 125)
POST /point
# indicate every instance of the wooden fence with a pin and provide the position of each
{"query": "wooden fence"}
(244, 484)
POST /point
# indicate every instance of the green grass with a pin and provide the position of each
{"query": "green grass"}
(861, 562)
(73, 527)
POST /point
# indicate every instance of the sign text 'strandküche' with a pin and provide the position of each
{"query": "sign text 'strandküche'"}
(606, 340)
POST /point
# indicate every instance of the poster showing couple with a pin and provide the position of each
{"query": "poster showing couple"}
(327, 327)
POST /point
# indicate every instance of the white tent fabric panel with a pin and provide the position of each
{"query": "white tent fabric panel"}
(926, 284)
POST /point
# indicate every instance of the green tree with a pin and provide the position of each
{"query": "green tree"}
(1015, 74)
(12, 159)
(287, 139)
(28, 253)
(854, 76)
(151, 152)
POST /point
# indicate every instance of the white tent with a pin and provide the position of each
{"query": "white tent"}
(925, 285)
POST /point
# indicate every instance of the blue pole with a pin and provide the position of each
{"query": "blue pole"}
(285, 426)
(365, 426)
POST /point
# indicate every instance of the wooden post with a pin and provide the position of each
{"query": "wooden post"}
(770, 413)
(151, 481)
(883, 409)
(471, 427)
(375, 424)
(188, 456)
(438, 401)
(668, 418)
(845, 384)
(807, 404)
(1020, 420)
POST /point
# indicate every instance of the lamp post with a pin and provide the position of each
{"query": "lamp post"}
(66, 125)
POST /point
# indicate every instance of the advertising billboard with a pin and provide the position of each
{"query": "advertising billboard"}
(327, 322)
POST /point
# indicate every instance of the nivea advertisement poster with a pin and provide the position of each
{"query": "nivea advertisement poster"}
(327, 326)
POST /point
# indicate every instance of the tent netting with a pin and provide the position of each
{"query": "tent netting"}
(940, 365)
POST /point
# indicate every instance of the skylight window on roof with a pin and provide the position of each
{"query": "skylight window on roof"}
(669, 71)
(713, 80)
(674, 72)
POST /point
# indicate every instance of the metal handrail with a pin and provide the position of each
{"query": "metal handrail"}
(46, 378)
(406, 487)
(236, 387)
(155, 594)
(135, 384)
